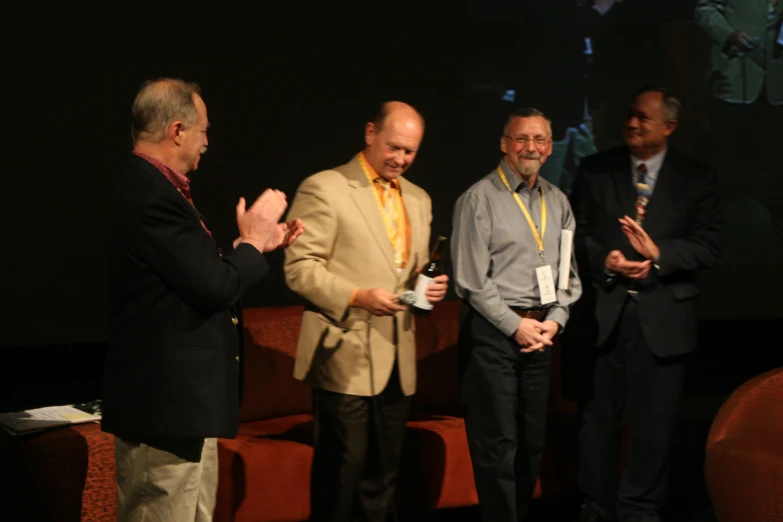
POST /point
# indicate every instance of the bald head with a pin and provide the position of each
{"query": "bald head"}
(392, 139)
(396, 109)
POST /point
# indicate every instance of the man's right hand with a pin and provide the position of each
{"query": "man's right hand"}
(602, 6)
(740, 40)
(530, 336)
(259, 223)
(616, 262)
(377, 301)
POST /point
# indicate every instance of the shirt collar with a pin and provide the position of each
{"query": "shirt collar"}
(653, 164)
(179, 180)
(395, 183)
(512, 178)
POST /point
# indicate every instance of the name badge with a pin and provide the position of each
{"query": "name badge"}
(546, 284)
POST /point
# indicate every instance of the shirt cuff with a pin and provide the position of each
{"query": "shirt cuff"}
(510, 324)
(559, 315)
(352, 300)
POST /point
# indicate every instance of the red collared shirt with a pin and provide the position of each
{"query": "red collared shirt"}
(179, 180)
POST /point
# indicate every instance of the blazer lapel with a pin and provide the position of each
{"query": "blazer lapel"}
(662, 199)
(623, 184)
(208, 228)
(412, 211)
(363, 197)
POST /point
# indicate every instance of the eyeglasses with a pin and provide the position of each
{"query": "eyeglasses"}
(524, 140)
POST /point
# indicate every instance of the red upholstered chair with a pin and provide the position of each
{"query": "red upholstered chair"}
(744, 461)
(65, 474)
(264, 473)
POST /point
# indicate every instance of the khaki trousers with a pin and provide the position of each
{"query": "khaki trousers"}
(166, 480)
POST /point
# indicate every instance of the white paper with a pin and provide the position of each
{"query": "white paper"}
(546, 284)
(42, 418)
(566, 245)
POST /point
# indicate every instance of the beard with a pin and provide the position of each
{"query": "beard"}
(528, 168)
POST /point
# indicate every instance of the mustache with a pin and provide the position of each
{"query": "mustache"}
(529, 156)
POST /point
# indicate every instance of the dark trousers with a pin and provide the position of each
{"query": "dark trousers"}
(358, 441)
(505, 396)
(629, 382)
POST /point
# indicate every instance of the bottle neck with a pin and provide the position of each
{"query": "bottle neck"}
(437, 250)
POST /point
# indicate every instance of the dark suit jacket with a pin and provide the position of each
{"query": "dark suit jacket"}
(683, 218)
(173, 364)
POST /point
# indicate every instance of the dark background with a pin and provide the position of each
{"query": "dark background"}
(288, 93)
(289, 88)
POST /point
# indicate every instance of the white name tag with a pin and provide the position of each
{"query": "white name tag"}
(546, 284)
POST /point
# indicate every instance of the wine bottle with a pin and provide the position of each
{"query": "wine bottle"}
(434, 267)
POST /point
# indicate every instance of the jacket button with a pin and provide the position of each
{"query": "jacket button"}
(236, 358)
(234, 321)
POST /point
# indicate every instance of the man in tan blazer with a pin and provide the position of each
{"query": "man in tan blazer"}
(367, 237)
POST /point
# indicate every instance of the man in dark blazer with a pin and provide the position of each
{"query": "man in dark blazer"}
(172, 375)
(648, 218)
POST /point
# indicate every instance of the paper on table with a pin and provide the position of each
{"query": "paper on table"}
(42, 418)
(566, 244)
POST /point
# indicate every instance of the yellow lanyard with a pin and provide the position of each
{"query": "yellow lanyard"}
(539, 241)
(397, 202)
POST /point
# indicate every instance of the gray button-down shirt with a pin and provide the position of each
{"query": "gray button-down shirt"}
(495, 255)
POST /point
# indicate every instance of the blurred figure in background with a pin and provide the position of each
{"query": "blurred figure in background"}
(538, 51)
(745, 82)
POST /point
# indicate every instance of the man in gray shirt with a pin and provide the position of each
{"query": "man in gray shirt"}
(506, 250)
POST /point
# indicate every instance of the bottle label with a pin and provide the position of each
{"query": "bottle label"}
(422, 283)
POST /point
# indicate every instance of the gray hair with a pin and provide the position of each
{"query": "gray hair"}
(670, 106)
(525, 112)
(159, 103)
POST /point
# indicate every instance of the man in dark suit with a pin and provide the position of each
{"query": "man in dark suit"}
(648, 218)
(172, 376)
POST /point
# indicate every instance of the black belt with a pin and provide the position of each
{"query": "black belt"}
(534, 312)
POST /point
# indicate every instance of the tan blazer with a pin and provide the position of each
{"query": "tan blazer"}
(345, 245)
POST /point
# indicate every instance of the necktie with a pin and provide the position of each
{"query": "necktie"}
(642, 192)
(390, 209)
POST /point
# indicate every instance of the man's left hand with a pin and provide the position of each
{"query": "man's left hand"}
(437, 290)
(285, 235)
(549, 328)
(639, 239)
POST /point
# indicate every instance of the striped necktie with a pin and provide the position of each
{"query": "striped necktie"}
(642, 192)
